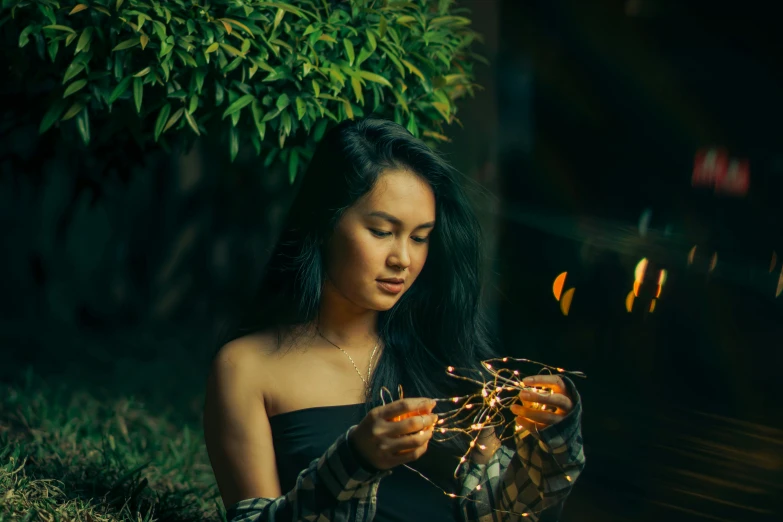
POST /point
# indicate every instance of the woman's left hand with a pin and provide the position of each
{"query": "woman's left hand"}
(542, 408)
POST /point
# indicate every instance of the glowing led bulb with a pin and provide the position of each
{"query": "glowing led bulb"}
(443, 430)
(498, 389)
(473, 444)
(492, 402)
(451, 369)
(481, 446)
(478, 488)
(455, 399)
(452, 495)
(462, 459)
(516, 372)
(468, 406)
(441, 421)
(505, 359)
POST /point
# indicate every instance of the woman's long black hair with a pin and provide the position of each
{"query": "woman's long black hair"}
(438, 322)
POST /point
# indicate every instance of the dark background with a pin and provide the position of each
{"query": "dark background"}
(591, 114)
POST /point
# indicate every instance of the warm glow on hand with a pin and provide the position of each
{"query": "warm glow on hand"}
(544, 402)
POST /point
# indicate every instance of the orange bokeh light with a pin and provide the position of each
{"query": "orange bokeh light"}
(629, 301)
(557, 287)
(641, 268)
(565, 302)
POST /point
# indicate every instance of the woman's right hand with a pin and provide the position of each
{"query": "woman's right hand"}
(384, 442)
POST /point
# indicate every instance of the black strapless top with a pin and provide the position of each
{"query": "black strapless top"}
(304, 435)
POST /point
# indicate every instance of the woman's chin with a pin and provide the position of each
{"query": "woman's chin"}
(386, 303)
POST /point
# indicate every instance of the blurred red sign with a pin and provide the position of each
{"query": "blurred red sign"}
(714, 168)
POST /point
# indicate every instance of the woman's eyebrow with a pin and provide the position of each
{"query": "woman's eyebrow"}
(396, 221)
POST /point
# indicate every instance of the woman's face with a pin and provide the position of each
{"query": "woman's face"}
(383, 237)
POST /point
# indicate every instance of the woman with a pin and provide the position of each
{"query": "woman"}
(375, 283)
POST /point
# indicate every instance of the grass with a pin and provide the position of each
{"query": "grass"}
(74, 452)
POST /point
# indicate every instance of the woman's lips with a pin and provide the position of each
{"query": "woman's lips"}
(394, 288)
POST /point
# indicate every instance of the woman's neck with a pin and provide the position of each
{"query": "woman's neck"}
(346, 325)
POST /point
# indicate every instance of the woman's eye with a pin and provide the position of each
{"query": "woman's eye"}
(379, 233)
(421, 239)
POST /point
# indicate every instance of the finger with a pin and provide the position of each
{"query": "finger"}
(527, 424)
(554, 382)
(412, 455)
(423, 422)
(395, 445)
(560, 401)
(538, 416)
(402, 406)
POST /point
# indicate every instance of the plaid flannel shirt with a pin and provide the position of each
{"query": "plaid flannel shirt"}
(537, 476)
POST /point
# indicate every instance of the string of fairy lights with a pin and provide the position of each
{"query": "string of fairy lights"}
(483, 412)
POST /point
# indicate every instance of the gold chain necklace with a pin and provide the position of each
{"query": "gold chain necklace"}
(369, 366)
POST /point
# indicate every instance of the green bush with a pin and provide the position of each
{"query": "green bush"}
(273, 75)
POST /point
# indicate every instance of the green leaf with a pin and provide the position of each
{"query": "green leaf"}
(278, 18)
(301, 108)
(55, 27)
(316, 89)
(318, 131)
(282, 102)
(357, 89)
(143, 72)
(138, 93)
(53, 47)
(405, 19)
(174, 119)
(199, 76)
(327, 38)
(371, 39)
(51, 116)
(73, 70)
(193, 105)
(257, 118)
(83, 125)
(349, 50)
(363, 55)
(74, 87)
(120, 89)
(449, 20)
(212, 48)
(270, 115)
(84, 40)
(192, 123)
(24, 36)
(293, 166)
(78, 8)
(377, 78)
(415, 70)
(73, 110)
(239, 104)
(127, 44)
(230, 49)
(233, 139)
(160, 122)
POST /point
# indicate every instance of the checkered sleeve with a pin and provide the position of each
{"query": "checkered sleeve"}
(333, 488)
(519, 485)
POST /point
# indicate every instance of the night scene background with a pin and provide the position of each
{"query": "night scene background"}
(615, 246)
